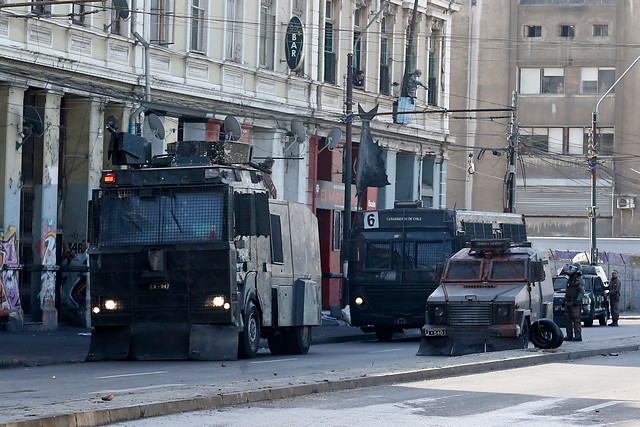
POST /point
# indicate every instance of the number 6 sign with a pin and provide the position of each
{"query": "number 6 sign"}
(371, 220)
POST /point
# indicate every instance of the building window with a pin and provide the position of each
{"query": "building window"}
(197, 25)
(161, 23)
(386, 41)
(329, 54)
(564, 140)
(42, 9)
(567, 31)
(600, 30)
(116, 20)
(267, 34)
(359, 53)
(233, 47)
(532, 31)
(596, 80)
(541, 80)
(411, 60)
(432, 73)
(78, 14)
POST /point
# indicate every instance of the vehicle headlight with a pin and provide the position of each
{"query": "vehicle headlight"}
(359, 300)
(437, 314)
(217, 301)
(96, 310)
(502, 313)
(110, 304)
(438, 311)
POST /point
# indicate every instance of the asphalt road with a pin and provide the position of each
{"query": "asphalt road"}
(36, 392)
(557, 394)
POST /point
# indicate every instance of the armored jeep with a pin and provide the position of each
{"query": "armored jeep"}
(595, 301)
(492, 296)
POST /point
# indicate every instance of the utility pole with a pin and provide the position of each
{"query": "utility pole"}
(593, 163)
(513, 154)
(347, 153)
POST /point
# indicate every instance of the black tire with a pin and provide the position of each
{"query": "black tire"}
(384, 333)
(545, 334)
(276, 343)
(525, 335)
(589, 322)
(249, 341)
(602, 319)
(297, 339)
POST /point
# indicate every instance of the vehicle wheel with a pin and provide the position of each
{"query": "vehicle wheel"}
(276, 342)
(525, 334)
(588, 322)
(249, 342)
(297, 339)
(602, 319)
(384, 333)
(545, 334)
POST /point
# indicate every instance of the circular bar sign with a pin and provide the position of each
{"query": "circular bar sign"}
(293, 43)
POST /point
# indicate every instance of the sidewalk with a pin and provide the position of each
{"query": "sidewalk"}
(71, 344)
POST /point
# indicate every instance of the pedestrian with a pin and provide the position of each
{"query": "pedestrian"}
(573, 303)
(614, 297)
(358, 80)
(413, 83)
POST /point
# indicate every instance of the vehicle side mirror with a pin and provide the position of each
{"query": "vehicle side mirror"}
(537, 271)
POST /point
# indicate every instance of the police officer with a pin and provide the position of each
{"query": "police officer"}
(614, 297)
(573, 303)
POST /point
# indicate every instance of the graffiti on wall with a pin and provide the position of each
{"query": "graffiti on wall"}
(9, 293)
(47, 249)
(73, 292)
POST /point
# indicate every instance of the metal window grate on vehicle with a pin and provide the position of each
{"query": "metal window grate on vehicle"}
(159, 215)
(470, 315)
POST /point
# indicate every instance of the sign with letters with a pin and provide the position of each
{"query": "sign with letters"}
(293, 44)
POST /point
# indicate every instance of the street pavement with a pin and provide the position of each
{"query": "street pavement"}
(69, 345)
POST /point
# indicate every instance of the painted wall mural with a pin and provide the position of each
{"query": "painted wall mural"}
(9, 292)
(73, 292)
(47, 249)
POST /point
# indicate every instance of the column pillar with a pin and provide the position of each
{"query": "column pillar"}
(387, 194)
(11, 106)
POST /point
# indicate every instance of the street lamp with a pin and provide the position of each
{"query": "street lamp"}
(593, 161)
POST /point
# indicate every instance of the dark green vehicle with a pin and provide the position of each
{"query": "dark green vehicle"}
(595, 304)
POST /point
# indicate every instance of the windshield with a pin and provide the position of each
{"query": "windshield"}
(508, 270)
(154, 216)
(463, 270)
(560, 283)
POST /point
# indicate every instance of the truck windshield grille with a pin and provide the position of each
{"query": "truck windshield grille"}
(470, 315)
(157, 215)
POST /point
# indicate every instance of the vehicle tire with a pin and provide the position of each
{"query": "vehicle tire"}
(249, 341)
(297, 339)
(276, 343)
(589, 322)
(602, 319)
(545, 334)
(525, 334)
(384, 333)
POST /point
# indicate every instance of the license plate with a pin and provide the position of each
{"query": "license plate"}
(435, 333)
(162, 286)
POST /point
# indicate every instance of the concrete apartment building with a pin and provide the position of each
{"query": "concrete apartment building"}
(561, 56)
(66, 70)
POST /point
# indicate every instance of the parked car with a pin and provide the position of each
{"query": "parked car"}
(595, 303)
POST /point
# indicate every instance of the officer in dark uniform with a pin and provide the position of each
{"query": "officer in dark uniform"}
(614, 297)
(573, 303)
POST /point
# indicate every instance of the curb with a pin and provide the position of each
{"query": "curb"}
(108, 416)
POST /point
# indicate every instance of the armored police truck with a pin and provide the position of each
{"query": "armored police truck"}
(190, 258)
(493, 295)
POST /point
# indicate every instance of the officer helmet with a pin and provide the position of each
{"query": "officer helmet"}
(576, 268)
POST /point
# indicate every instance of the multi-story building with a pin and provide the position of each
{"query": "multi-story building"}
(172, 70)
(561, 57)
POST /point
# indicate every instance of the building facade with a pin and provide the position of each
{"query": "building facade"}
(562, 58)
(175, 70)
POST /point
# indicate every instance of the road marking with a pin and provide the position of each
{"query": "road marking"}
(132, 375)
(386, 351)
(600, 406)
(127, 390)
(275, 360)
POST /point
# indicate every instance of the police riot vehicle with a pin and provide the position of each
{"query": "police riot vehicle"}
(190, 257)
(396, 259)
(493, 295)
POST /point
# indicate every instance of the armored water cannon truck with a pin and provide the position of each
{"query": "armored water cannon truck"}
(492, 296)
(190, 258)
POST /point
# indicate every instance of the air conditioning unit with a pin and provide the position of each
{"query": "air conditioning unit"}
(625, 203)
